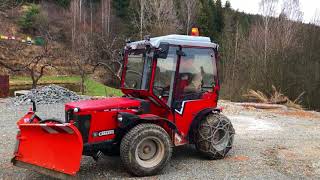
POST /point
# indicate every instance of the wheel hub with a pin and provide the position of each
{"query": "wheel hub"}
(220, 139)
(150, 152)
(147, 150)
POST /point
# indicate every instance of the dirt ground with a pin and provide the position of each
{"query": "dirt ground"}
(267, 145)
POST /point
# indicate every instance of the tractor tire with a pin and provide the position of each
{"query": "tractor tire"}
(145, 149)
(214, 136)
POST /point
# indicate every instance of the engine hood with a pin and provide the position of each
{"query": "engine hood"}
(105, 104)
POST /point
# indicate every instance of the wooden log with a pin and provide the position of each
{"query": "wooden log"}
(281, 101)
(262, 105)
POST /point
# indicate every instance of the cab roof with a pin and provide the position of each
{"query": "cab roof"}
(175, 39)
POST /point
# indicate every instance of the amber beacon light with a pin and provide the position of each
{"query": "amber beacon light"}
(194, 32)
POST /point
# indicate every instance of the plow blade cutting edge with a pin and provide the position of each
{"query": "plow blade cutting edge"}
(51, 149)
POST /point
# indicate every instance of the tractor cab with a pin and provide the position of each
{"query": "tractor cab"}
(171, 70)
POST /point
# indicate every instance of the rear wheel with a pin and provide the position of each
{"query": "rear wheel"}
(214, 136)
(145, 149)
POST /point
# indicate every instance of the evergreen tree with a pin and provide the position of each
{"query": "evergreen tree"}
(227, 5)
(121, 7)
(28, 22)
(63, 3)
(205, 20)
(218, 19)
(211, 19)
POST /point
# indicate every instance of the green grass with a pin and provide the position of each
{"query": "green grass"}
(93, 88)
(20, 80)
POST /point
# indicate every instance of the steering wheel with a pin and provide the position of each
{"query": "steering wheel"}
(133, 82)
(161, 88)
(158, 88)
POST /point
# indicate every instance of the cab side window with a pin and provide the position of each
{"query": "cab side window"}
(164, 75)
(197, 73)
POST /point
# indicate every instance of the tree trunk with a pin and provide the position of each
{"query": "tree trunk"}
(34, 80)
(91, 17)
(265, 43)
(235, 54)
(188, 19)
(80, 6)
(82, 86)
(141, 17)
(102, 17)
(109, 17)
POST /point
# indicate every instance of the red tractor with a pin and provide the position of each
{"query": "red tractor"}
(171, 91)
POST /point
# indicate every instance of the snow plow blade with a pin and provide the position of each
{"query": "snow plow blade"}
(51, 149)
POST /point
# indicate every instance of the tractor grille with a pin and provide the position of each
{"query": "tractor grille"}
(82, 122)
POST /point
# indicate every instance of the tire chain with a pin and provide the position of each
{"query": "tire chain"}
(207, 136)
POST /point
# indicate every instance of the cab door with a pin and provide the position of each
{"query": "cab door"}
(164, 76)
(195, 80)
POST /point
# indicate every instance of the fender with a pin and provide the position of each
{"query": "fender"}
(198, 118)
(155, 118)
(129, 120)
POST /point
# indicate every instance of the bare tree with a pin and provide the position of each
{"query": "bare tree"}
(189, 11)
(105, 16)
(142, 6)
(82, 61)
(316, 18)
(33, 61)
(287, 26)
(267, 8)
(292, 10)
(155, 17)
(34, 65)
(114, 63)
(88, 51)
(138, 17)
(36, 68)
(236, 49)
(163, 17)
(91, 18)
(74, 10)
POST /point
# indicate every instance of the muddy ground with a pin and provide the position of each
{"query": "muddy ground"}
(268, 144)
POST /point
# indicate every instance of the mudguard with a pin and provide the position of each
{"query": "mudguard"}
(49, 148)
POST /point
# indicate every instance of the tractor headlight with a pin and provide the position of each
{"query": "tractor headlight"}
(119, 117)
(76, 110)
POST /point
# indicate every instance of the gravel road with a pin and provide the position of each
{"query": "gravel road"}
(267, 145)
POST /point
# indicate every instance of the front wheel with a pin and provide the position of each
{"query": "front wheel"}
(214, 136)
(145, 149)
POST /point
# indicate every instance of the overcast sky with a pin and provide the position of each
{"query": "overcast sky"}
(308, 7)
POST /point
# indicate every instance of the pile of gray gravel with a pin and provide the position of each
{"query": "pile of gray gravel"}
(47, 95)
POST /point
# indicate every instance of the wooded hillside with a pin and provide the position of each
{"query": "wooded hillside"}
(257, 51)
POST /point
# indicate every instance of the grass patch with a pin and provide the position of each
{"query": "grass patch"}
(93, 88)
(24, 80)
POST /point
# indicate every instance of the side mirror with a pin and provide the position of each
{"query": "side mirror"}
(180, 53)
(162, 51)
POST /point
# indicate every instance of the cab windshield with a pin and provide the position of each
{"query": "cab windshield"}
(138, 72)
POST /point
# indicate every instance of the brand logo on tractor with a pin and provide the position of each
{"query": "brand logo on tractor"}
(103, 133)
